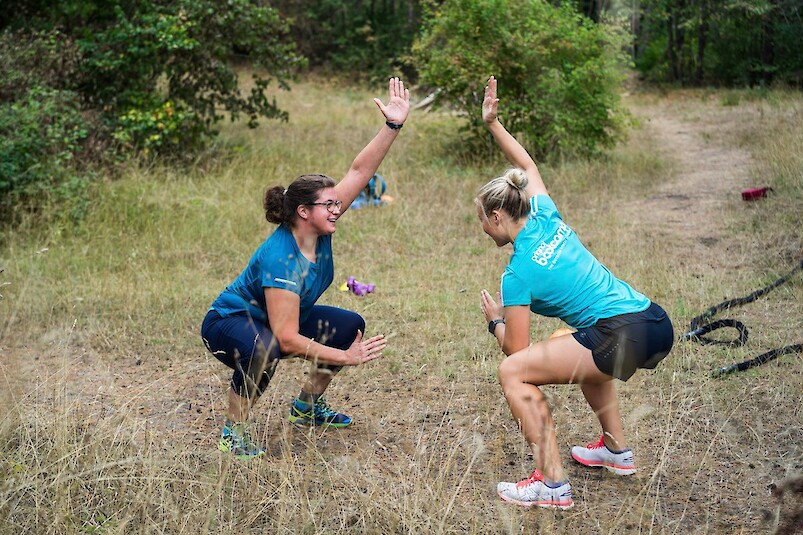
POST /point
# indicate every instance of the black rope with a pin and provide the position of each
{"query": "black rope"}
(702, 325)
(758, 361)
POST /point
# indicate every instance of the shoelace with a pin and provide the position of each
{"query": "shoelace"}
(596, 445)
(322, 408)
(535, 476)
(242, 439)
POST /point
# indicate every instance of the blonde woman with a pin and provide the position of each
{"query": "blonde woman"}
(551, 273)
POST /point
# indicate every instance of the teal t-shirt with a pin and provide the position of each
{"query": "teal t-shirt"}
(278, 263)
(556, 276)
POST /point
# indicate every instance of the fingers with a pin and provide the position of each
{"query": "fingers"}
(398, 101)
(375, 338)
(376, 347)
(396, 88)
(368, 350)
(369, 358)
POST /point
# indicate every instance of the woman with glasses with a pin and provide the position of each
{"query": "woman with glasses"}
(269, 312)
(617, 329)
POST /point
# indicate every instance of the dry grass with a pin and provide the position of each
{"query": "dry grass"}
(112, 407)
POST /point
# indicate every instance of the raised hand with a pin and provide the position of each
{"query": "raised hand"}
(398, 105)
(490, 103)
(361, 351)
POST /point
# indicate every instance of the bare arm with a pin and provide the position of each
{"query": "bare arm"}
(283, 309)
(514, 334)
(511, 148)
(367, 161)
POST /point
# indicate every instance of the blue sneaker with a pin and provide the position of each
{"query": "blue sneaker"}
(302, 413)
(236, 439)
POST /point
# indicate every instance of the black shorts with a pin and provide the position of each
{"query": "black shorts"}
(622, 344)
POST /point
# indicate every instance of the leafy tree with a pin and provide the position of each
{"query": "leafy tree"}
(42, 128)
(39, 138)
(151, 77)
(738, 42)
(559, 72)
(160, 73)
(365, 38)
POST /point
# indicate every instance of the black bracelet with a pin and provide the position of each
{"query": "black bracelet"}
(394, 126)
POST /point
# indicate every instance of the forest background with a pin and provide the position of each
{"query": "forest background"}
(136, 139)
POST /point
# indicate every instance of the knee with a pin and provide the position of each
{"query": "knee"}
(509, 374)
(358, 324)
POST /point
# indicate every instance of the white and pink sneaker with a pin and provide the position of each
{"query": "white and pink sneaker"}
(598, 454)
(533, 491)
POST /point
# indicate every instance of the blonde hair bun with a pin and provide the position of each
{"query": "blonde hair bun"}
(516, 178)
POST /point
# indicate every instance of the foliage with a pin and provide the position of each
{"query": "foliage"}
(735, 43)
(151, 78)
(34, 58)
(362, 37)
(163, 77)
(160, 74)
(40, 134)
(559, 73)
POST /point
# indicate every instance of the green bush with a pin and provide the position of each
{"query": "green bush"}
(559, 74)
(39, 137)
(35, 58)
(84, 83)
(163, 75)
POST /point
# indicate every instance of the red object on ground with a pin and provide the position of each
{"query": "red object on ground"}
(752, 194)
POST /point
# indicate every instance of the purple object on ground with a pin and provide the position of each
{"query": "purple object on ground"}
(359, 288)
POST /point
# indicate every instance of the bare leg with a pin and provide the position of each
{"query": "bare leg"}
(557, 361)
(531, 410)
(319, 380)
(239, 407)
(605, 404)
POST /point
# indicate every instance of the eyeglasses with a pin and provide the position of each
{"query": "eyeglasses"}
(330, 205)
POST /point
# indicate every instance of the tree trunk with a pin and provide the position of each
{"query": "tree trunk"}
(767, 48)
(635, 28)
(702, 36)
(671, 50)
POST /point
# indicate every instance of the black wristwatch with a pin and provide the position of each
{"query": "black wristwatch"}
(492, 325)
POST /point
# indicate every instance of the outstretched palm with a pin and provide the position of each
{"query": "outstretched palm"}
(398, 105)
(490, 103)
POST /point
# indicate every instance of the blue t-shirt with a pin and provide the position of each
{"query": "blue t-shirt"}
(553, 273)
(278, 263)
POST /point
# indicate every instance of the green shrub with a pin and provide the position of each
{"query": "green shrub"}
(83, 83)
(40, 135)
(35, 58)
(163, 75)
(559, 74)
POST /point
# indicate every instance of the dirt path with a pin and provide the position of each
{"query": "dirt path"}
(684, 213)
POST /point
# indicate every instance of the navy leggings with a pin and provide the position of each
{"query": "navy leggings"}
(250, 349)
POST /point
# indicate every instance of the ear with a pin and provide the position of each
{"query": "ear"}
(496, 217)
(302, 212)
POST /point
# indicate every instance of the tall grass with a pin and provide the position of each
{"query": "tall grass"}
(111, 407)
